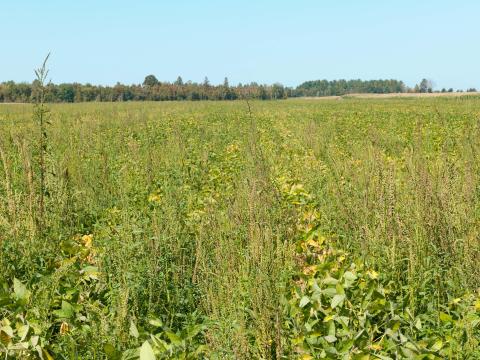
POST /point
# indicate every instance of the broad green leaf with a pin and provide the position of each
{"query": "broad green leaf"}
(329, 280)
(133, 331)
(339, 289)
(22, 331)
(337, 300)
(437, 345)
(66, 312)
(146, 352)
(350, 276)
(174, 338)
(20, 290)
(330, 291)
(110, 351)
(131, 354)
(304, 301)
(445, 317)
(34, 340)
(330, 338)
(156, 322)
(19, 346)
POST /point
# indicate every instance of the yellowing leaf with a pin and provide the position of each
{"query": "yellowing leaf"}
(4, 337)
(47, 355)
(308, 270)
(437, 345)
(376, 347)
(87, 240)
(372, 274)
(445, 317)
(328, 318)
(154, 198)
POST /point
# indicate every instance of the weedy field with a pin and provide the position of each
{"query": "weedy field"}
(279, 230)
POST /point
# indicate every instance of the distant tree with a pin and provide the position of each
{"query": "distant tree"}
(425, 86)
(278, 91)
(150, 80)
(444, 90)
(179, 81)
(450, 90)
(206, 82)
(225, 83)
(472, 90)
(66, 93)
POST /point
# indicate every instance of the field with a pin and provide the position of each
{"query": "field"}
(225, 230)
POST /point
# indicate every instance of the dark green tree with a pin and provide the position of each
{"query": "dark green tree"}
(150, 80)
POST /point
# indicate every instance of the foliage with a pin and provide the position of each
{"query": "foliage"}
(267, 230)
(343, 87)
(339, 308)
(150, 90)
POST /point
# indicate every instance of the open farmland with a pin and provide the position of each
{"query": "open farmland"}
(225, 230)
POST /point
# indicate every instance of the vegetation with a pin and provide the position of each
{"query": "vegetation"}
(343, 87)
(150, 90)
(154, 90)
(278, 230)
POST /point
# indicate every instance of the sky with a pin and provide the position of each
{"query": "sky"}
(267, 41)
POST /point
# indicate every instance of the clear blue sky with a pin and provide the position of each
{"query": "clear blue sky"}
(105, 41)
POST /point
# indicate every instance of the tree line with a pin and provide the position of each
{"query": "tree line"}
(344, 87)
(154, 90)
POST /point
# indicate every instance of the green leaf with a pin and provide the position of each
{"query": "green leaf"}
(329, 280)
(350, 276)
(330, 338)
(437, 345)
(156, 322)
(133, 331)
(304, 301)
(330, 291)
(110, 351)
(337, 300)
(339, 289)
(90, 272)
(349, 279)
(174, 338)
(146, 352)
(445, 317)
(22, 331)
(20, 290)
(131, 354)
(66, 312)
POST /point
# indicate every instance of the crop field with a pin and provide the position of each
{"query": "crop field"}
(292, 229)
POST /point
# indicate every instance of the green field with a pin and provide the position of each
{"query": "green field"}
(340, 229)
